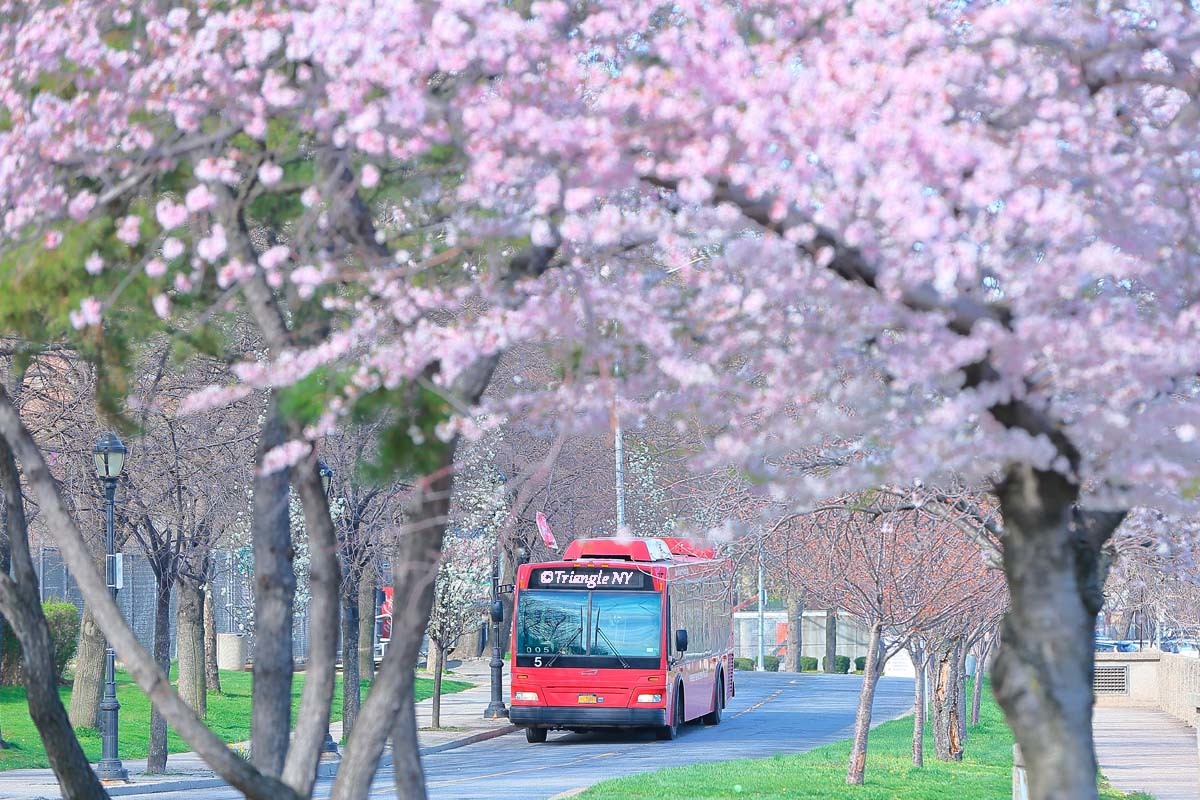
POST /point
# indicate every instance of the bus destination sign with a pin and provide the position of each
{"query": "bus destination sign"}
(559, 578)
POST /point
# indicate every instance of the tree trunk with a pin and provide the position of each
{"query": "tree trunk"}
(947, 742)
(831, 640)
(156, 759)
(274, 598)
(21, 604)
(918, 739)
(433, 659)
(409, 777)
(212, 676)
(88, 685)
(960, 688)
(437, 683)
(189, 639)
(366, 625)
(140, 663)
(389, 706)
(795, 620)
(1043, 671)
(351, 698)
(985, 650)
(862, 717)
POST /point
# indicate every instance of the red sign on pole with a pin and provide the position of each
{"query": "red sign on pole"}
(544, 530)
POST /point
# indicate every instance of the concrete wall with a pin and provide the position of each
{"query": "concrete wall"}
(1142, 680)
(851, 634)
(1156, 680)
(1179, 686)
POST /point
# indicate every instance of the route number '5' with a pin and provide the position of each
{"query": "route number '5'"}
(537, 662)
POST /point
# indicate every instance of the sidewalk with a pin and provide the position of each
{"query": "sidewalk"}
(462, 724)
(1146, 750)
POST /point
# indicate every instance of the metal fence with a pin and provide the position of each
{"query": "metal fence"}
(232, 586)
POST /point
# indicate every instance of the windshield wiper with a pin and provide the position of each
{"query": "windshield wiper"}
(563, 649)
(600, 632)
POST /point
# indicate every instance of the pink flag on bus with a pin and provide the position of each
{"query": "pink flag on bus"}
(544, 530)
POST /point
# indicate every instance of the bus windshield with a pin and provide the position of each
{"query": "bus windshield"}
(604, 624)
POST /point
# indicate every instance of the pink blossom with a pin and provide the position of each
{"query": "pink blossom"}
(274, 257)
(270, 173)
(200, 198)
(87, 315)
(129, 230)
(170, 215)
(172, 248)
(369, 177)
(310, 197)
(94, 264)
(81, 205)
(541, 234)
(52, 239)
(213, 246)
(578, 198)
(156, 268)
(162, 306)
(233, 272)
(286, 455)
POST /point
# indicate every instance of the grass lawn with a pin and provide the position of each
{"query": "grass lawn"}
(228, 716)
(985, 772)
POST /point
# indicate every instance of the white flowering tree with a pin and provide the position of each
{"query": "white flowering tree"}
(458, 597)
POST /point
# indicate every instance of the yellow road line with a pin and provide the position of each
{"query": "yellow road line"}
(526, 769)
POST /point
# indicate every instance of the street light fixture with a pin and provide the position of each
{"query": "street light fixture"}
(110, 462)
(329, 748)
(496, 708)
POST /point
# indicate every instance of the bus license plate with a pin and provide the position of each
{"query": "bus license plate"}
(588, 698)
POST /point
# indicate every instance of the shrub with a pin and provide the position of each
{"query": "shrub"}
(744, 664)
(63, 620)
(841, 664)
(860, 664)
(808, 664)
(771, 663)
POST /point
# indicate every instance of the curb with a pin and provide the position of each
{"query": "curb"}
(482, 736)
(325, 769)
(578, 790)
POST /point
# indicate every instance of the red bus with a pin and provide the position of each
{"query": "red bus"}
(634, 633)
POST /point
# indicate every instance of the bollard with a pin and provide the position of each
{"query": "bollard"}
(1020, 784)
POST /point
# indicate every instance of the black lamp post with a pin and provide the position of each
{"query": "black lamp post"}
(110, 461)
(326, 472)
(496, 708)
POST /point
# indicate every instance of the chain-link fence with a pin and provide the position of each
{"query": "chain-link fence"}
(232, 587)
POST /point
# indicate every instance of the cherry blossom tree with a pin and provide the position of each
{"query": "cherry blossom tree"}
(903, 572)
(958, 241)
(458, 599)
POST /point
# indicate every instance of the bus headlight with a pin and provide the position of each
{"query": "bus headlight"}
(649, 698)
(526, 697)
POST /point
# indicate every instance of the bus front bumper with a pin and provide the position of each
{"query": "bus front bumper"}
(586, 717)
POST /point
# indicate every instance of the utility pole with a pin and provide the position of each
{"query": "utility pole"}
(762, 598)
(619, 450)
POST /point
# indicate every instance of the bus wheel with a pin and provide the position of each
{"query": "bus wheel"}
(669, 732)
(535, 735)
(714, 718)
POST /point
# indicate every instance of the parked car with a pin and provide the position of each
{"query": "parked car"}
(1105, 645)
(1128, 647)
(1184, 647)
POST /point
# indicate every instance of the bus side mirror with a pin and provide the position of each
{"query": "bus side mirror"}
(496, 611)
(681, 640)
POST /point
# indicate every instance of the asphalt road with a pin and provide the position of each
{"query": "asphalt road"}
(772, 713)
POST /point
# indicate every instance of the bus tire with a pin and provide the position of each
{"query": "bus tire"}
(670, 732)
(535, 735)
(714, 717)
